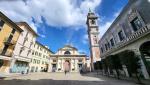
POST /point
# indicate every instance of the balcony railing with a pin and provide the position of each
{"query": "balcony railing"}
(8, 53)
(7, 42)
(141, 32)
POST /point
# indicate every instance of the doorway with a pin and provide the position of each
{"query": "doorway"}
(67, 66)
(54, 67)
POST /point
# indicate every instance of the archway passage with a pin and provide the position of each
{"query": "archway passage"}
(145, 51)
(67, 66)
(1, 63)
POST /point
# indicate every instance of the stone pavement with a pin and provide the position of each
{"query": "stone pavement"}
(62, 79)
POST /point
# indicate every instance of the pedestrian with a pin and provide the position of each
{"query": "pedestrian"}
(65, 72)
(27, 71)
(22, 72)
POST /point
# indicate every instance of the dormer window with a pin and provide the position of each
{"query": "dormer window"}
(67, 53)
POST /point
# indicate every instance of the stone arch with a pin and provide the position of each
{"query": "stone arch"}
(145, 54)
(1, 63)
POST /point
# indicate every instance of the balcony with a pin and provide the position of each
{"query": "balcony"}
(134, 36)
(8, 53)
(9, 42)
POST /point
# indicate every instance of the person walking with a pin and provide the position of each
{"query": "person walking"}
(65, 72)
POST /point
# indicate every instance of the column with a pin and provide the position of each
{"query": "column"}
(125, 70)
(12, 63)
(62, 64)
(143, 67)
(76, 65)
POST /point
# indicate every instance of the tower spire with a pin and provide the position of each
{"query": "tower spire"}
(90, 10)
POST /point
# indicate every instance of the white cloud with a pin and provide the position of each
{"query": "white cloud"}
(41, 35)
(103, 28)
(56, 12)
(148, 0)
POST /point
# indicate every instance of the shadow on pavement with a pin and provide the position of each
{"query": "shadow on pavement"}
(53, 82)
(108, 79)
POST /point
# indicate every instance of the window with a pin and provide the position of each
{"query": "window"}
(67, 52)
(102, 50)
(106, 47)
(79, 60)
(13, 31)
(40, 48)
(28, 52)
(112, 42)
(121, 36)
(136, 24)
(34, 45)
(95, 40)
(1, 24)
(33, 53)
(93, 21)
(54, 60)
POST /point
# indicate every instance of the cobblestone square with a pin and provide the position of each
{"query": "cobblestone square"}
(62, 79)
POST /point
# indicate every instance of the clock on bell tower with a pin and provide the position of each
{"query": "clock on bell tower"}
(93, 32)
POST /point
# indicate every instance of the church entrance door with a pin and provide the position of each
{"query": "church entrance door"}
(67, 66)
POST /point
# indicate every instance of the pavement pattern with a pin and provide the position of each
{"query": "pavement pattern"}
(62, 79)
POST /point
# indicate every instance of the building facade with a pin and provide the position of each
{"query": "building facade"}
(130, 31)
(93, 35)
(22, 53)
(9, 34)
(68, 59)
(40, 58)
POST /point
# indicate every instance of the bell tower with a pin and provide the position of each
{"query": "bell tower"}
(93, 32)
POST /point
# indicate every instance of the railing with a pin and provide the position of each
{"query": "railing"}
(7, 42)
(139, 33)
(8, 53)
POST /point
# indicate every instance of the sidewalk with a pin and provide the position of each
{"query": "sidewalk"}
(144, 81)
(6, 75)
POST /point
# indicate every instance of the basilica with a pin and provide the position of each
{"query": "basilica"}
(68, 59)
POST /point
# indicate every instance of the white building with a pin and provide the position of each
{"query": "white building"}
(68, 59)
(40, 58)
(23, 50)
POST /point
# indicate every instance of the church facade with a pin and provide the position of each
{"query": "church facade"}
(68, 59)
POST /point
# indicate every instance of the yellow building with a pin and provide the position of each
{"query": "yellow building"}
(9, 33)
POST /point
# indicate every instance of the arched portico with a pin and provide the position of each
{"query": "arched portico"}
(1, 63)
(145, 53)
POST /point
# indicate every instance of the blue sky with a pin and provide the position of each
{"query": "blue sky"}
(60, 22)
